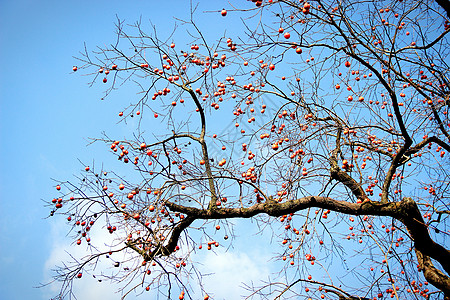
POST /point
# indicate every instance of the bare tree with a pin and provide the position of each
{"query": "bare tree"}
(326, 122)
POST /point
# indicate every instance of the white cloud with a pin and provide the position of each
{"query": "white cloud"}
(227, 271)
(231, 270)
(87, 287)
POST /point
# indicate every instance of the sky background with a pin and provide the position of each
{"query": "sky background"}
(47, 114)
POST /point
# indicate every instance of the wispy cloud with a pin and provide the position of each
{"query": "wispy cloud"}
(231, 270)
(228, 271)
(87, 287)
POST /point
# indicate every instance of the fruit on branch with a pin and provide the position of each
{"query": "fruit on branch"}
(292, 128)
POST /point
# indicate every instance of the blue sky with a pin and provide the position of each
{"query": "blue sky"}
(47, 114)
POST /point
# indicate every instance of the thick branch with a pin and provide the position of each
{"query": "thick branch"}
(445, 4)
(405, 211)
(409, 215)
(433, 275)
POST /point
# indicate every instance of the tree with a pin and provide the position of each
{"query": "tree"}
(337, 145)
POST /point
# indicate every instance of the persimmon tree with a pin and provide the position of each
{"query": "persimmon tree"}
(325, 122)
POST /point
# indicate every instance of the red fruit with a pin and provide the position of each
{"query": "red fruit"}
(143, 145)
(347, 64)
(223, 12)
(74, 68)
(105, 80)
(58, 187)
(287, 35)
(79, 275)
(271, 67)
(87, 169)
(114, 67)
